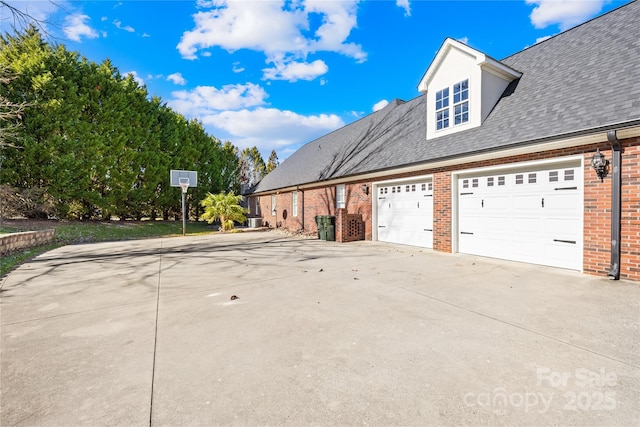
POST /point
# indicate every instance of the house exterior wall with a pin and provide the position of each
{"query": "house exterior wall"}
(597, 205)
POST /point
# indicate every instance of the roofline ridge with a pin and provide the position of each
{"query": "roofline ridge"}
(570, 29)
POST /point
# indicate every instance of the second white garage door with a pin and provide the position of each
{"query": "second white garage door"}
(531, 215)
(405, 213)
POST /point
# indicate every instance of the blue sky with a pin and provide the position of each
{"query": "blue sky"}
(277, 74)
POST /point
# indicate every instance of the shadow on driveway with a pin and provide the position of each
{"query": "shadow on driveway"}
(147, 332)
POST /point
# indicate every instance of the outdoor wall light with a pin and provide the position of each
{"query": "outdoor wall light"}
(365, 189)
(600, 164)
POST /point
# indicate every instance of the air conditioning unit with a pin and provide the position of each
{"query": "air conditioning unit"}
(255, 222)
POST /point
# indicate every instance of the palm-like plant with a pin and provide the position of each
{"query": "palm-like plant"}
(225, 207)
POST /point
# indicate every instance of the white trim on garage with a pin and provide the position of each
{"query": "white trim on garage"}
(576, 204)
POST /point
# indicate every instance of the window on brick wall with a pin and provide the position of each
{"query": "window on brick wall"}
(257, 210)
(341, 200)
(273, 205)
(294, 203)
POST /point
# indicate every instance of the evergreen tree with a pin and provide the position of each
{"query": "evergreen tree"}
(273, 161)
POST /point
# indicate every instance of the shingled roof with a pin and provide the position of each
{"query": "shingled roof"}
(584, 80)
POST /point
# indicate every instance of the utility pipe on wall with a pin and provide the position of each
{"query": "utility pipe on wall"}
(616, 204)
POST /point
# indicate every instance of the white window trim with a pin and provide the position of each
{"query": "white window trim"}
(294, 203)
(341, 202)
(257, 212)
(273, 205)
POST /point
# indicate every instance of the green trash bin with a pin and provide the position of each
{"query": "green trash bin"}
(330, 228)
(326, 227)
(322, 230)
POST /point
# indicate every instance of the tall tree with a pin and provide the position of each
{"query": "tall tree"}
(272, 163)
(94, 142)
(252, 167)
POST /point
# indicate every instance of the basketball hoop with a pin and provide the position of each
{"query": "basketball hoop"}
(184, 184)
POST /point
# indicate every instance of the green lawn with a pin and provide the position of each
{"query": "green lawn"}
(74, 232)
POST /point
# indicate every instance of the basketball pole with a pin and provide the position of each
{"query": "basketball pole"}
(184, 208)
(184, 217)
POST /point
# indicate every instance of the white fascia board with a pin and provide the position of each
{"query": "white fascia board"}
(448, 44)
(594, 138)
(498, 68)
(482, 60)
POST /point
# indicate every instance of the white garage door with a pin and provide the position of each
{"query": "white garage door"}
(530, 215)
(405, 213)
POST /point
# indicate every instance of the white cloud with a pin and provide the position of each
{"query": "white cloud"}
(119, 26)
(464, 40)
(237, 68)
(75, 27)
(280, 30)
(238, 113)
(565, 13)
(404, 4)
(267, 128)
(541, 39)
(204, 100)
(136, 77)
(293, 71)
(380, 105)
(177, 78)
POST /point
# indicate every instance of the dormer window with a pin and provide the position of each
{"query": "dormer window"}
(460, 105)
(462, 87)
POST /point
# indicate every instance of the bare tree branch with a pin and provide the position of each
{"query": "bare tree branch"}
(20, 19)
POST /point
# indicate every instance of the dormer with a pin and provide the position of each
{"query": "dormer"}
(462, 86)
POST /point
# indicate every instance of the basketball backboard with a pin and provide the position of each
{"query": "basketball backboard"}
(179, 178)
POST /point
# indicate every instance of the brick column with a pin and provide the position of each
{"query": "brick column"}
(442, 211)
(341, 224)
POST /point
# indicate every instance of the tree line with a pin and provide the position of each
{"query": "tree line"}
(89, 142)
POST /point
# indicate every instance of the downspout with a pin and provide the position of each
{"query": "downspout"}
(616, 204)
(302, 199)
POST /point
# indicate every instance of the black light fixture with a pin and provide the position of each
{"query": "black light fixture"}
(365, 188)
(600, 164)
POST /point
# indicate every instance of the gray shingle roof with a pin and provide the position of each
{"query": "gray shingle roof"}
(586, 79)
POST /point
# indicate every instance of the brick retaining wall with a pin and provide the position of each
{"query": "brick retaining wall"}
(27, 239)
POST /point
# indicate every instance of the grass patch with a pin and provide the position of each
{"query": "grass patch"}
(69, 233)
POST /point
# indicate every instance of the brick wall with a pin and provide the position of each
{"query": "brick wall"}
(597, 214)
(597, 205)
(27, 239)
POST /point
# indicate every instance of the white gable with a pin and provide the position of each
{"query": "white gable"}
(487, 79)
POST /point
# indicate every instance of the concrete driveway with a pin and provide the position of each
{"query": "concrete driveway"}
(145, 333)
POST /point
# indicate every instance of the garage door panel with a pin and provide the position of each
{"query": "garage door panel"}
(470, 202)
(528, 215)
(562, 202)
(531, 225)
(498, 202)
(563, 228)
(526, 202)
(405, 213)
(563, 255)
